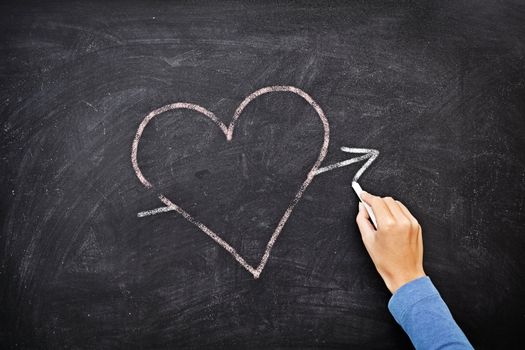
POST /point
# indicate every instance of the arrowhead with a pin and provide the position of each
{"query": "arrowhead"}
(370, 154)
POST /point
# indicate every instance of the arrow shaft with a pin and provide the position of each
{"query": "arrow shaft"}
(369, 154)
(155, 211)
(341, 164)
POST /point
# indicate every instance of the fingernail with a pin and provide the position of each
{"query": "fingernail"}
(360, 206)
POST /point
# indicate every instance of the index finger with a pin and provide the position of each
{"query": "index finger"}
(381, 211)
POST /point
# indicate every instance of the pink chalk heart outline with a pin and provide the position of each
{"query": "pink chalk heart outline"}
(369, 154)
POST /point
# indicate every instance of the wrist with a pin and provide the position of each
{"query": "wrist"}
(394, 282)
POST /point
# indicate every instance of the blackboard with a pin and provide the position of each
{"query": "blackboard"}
(437, 88)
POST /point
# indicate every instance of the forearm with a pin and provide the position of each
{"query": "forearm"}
(422, 313)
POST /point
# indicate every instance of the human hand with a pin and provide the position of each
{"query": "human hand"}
(396, 247)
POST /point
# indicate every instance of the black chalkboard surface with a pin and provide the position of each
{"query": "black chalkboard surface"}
(437, 88)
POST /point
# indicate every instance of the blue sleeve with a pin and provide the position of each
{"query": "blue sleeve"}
(419, 309)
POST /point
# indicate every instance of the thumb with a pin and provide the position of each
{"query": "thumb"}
(365, 227)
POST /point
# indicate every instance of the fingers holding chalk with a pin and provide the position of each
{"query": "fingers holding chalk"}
(363, 222)
(359, 192)
(363, 211)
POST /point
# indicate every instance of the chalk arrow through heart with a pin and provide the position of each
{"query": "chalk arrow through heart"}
(366, 154)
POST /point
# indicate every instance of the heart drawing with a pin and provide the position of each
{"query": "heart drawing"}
(367, 154)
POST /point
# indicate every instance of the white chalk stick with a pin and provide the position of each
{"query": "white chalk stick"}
(358, 190)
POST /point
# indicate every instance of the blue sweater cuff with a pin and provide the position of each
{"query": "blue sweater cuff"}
(408, 295)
